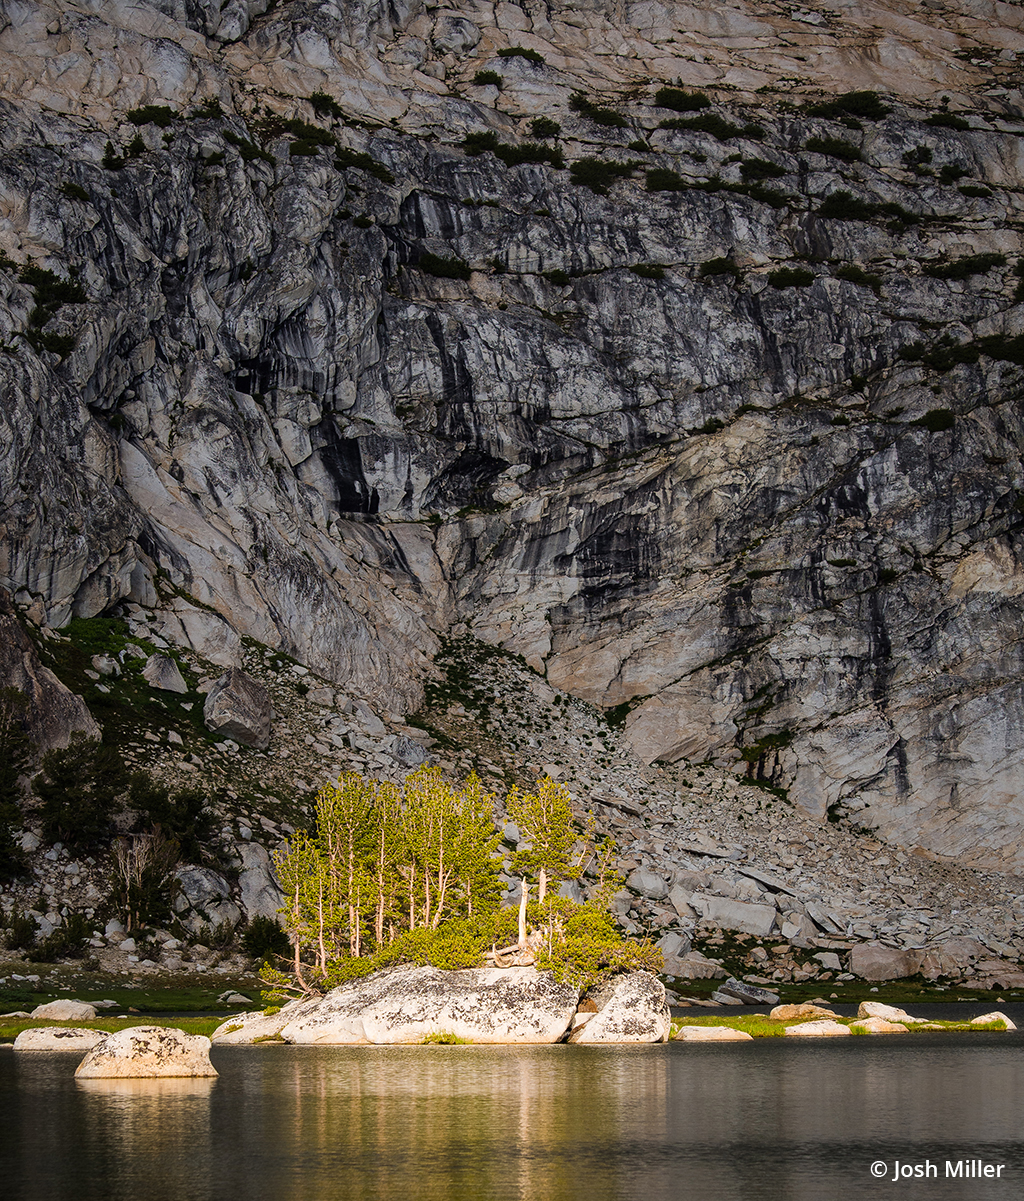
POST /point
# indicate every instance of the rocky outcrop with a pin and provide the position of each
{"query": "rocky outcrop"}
(162, 672)
(818, 1029)
(711, 1034)
(629, 1009)
(58, 1038)
(258, 890)
(874, 961)
(485, 1005)
(52, 712)
(143, 1052)
(237, 707)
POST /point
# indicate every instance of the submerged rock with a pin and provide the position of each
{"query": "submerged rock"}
(484, 1005)
(148, 1051)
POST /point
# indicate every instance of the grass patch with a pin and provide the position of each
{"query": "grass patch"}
(9, 1031)
(444, 1038)
(715, 125)
(483, 79)
(153, 114)
(791, 277)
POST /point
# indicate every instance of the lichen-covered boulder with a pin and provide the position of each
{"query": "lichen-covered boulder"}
(483, 1005)
(65, 1010)
(147, 1052)
(630, 1009)
(805, 1009)
(58, 1038)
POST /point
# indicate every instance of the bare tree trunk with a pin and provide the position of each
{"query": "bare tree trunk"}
(522, 915)
(542, 884)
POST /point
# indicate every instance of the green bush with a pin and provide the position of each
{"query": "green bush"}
(66, 942)
(679, 101)
(530, 152)
(936, 420)
(834, 148)
(444, 268)
(648, 270)
(558, 277)
(111, 160)
(599, 174)
(484, 78)
(608, 117)
(759, 168)
(844, 206)
(303, 149)
(325, 105)
(248, 150)
(867, 105)
(951, 172)
(153, 114)
(947, 121)
(78, 787)
(863, 279)
(1006, 348)
(791, 277)
(21, 933)
(716, 267)
(544, 127)
(975, 191)
(710, 123)
(75, 191)
(531, 56)
(344, 158)
(15, 757)
(264, 939)
(661, 179)
(479, 143)
(972, 264)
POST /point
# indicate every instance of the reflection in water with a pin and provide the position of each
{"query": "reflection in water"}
(763, 1121)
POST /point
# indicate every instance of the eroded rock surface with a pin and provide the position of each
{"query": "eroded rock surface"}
(239, 708)
(58, 1038)
(630, 1009)
(147, 1051)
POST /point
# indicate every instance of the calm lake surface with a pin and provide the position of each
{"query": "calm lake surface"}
(778, 1120)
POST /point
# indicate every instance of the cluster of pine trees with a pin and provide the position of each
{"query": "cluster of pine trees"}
(411, 873)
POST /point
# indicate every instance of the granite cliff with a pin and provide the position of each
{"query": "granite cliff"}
(707, 403)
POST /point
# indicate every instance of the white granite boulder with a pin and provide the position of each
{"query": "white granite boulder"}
(820, 1029)
(148, 1052)
(258, 888)
(712, 1034)
(877, 1026)
(202, 898)
(65, 1010)
(986, 1019)
(58, 1038)
(243, 1029)
(630, 1009)
(888, 1013)
(483, 1005)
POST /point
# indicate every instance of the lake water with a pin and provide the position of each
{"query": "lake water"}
(778, 1120)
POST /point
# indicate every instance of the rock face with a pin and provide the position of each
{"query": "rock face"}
(259, 892)
(147, 1051)
(776, 518)
(58, 1038)
(630, 1009)
(65, 1011)
(52, 712)
(486, 1005)
(239, 708)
